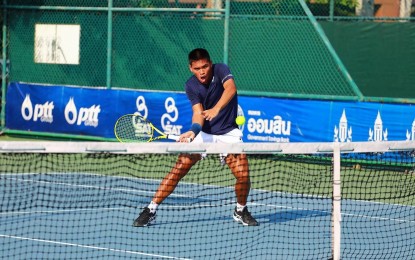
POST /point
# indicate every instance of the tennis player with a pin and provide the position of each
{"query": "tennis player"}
(212, 93)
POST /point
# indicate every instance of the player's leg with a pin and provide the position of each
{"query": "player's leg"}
(170, 181)
(238, 163)
(166, 187)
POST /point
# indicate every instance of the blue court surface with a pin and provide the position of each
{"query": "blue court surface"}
(65, 216)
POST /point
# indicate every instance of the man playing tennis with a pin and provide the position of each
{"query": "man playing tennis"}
(212, 93)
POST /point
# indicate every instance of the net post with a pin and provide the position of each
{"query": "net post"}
(336, 200)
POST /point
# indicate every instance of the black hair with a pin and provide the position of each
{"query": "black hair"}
(198, 54)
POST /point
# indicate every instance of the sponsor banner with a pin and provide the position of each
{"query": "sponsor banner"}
(288, 120)
(92, 111)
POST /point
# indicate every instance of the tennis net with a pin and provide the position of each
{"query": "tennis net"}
(78, 200)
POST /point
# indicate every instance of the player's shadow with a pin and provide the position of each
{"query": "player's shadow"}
(272, 218)
(289, 215)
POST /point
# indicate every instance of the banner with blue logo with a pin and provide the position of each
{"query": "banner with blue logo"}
(94, 111)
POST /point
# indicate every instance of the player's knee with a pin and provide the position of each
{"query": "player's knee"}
(242, 176)
(237, 160)
(187, 161)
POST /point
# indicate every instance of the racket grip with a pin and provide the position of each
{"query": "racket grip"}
(176, 137)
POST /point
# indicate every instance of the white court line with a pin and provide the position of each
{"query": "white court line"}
(380, 218)
(96, 209)
(91, 186)
(91, 247)
(212, 199)
(206, 206)
(343, 214)
(59, 211)
(173, 194)
(82, 186)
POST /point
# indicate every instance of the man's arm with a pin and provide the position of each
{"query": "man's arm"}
(197, 114)
(197, 118)
(227, 95)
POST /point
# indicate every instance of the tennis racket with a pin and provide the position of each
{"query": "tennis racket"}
(135, 128)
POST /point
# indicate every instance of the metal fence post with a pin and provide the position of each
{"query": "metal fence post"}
(109, 44)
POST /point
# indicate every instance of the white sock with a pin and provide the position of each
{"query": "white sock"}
(240, 207)
(153, 206)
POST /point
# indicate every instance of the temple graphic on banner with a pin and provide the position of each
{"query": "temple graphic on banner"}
(343, 133)
(410, 135)
(378, 135)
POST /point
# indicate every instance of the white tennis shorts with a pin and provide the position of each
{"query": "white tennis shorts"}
(232, 137)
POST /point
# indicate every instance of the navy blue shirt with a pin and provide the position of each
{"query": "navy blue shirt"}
(209, 95)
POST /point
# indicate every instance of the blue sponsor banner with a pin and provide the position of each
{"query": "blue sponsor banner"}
(287, 120)
(93, 112)
(90, 111)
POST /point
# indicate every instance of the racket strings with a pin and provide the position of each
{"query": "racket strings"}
(131, 128)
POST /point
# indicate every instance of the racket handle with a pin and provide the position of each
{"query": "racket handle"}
(176, 137)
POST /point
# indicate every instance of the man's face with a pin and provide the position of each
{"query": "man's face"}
(202, 69)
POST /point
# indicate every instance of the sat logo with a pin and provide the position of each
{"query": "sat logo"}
(171, 116)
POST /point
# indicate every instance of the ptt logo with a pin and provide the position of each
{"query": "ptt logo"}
(86, 115)
(41, 112)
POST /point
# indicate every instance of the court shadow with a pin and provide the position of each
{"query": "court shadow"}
(273, 218)
(290, 215)
(198, 219)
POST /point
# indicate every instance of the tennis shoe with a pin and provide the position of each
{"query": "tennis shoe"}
(244, 217)
(145, 218)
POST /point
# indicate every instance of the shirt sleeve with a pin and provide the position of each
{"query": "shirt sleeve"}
(224, 72)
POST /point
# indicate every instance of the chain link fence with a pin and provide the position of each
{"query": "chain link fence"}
(274, 47)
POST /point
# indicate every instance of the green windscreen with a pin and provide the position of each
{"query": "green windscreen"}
(273, 48)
